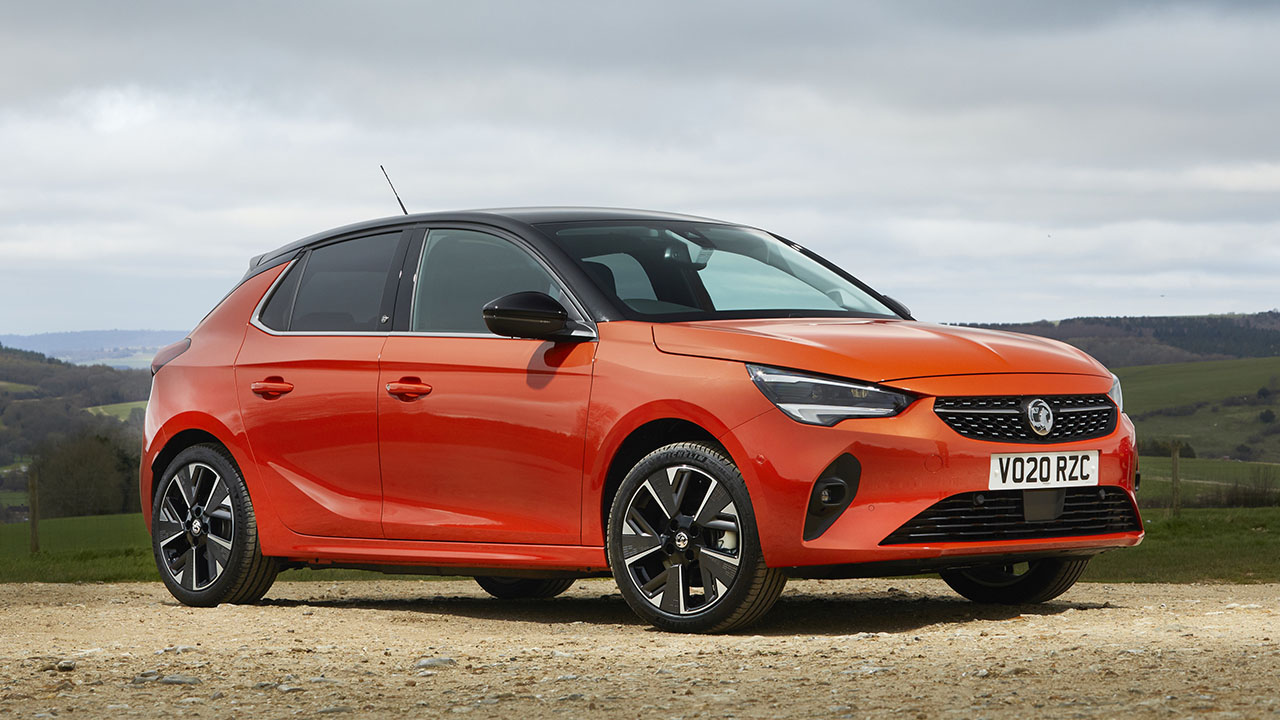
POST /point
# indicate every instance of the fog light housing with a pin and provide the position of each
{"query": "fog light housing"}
(832, 493)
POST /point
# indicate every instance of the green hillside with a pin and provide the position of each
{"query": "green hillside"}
(1154, 387)
(119, 411)
(1219, 407)
(72, 426)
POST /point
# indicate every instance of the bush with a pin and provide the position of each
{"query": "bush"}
(1267, 416)
(86, 473)
(1164, 448)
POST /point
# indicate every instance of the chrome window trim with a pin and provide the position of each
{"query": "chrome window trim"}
(254, 318)
(583, 317)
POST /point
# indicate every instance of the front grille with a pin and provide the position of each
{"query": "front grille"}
(1003, 419)
(997, 515)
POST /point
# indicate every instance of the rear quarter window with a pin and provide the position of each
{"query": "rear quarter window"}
(340, 287)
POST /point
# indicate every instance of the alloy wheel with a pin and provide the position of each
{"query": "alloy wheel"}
(195, 525)
(680, 540)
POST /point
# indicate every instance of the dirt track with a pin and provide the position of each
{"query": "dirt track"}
(902, 648)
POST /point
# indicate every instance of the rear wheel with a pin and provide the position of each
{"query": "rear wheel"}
(1036, 581)
(204, 534)
(683, 545)
(509, 588)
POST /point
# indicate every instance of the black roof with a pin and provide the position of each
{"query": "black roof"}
(514, 219)
(539, 215)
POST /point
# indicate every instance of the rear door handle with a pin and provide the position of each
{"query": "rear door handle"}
(408, 388)
(272, 387)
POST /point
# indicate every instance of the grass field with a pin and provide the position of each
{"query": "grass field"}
(1209, 483)
(103, 548)
(6, 386)
(1216, 429)
(1202, 545)
(1217, 434)
(119, 411)
(1152, 387)
(12, 497)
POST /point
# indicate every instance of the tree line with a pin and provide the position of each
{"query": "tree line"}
(84, 464)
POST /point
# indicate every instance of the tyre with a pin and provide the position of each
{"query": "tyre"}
(1036, 581)
(683, 545)
(509, 588)
(204, 534)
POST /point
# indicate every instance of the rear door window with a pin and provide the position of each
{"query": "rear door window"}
(343, 286)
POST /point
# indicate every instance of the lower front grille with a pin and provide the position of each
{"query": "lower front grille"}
(993, 515)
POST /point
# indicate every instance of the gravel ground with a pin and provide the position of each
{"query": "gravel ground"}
(902, 648)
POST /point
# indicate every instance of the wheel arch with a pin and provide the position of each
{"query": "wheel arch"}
(189, 430)
(175, 445)
(640, 442)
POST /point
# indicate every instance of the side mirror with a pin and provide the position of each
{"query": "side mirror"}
(532, 315)
(897, 307)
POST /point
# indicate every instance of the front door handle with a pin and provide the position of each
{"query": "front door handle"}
(272, 387)
(408, 388)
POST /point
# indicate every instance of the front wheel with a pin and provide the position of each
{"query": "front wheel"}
(683, 545)
(1035, 581)
(204, 534)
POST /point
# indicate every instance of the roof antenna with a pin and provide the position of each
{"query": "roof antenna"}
(393, 189)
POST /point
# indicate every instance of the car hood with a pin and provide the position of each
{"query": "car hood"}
(874, 350)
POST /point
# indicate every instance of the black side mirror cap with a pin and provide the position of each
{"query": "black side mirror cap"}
(532, 315)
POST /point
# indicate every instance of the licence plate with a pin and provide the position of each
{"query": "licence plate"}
(1027, 471)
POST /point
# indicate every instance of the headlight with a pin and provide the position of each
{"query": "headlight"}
(818, 400)
(1116, 395)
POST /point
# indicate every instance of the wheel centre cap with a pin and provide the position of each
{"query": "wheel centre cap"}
(682, 540)
(197, 527)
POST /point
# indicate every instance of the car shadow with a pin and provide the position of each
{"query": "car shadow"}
(893, 613)
(843, 612)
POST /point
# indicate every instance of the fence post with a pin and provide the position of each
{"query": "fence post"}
(1177, 487)
(33, 503)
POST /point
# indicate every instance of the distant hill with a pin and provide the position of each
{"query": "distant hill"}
(116, 348)
(1128, 341)
(43, 399)
(1223, 408)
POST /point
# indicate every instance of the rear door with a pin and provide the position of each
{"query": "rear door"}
(307, 379)
(482, 436)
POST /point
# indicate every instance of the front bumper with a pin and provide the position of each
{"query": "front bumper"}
(908, 463)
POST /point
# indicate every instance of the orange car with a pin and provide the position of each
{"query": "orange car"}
(702, 409)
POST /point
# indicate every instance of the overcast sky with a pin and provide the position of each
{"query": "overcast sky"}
(980, 161)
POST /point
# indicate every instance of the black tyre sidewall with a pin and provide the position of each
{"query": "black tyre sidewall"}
(750, 559)
(509, 588)
(1044, 580)
(242, 512)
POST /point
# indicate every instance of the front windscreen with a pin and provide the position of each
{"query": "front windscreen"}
(669, 271)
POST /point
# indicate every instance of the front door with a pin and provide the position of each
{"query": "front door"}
(481, 436)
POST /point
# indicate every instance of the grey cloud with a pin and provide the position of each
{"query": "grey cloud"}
(151, 148)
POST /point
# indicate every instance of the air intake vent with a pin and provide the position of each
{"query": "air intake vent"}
(1003, 419)
(993, 515)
